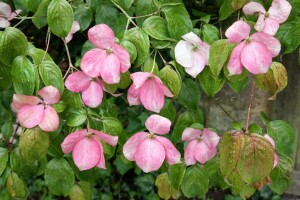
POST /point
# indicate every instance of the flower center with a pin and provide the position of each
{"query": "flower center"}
(151, 136)
(248, 39)
(267, 15)
(195, 48)
(109, 51)
(89, 135)
(199, 139)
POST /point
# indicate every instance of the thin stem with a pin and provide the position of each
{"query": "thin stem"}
(11, 140)
(22, 17)
(47, 44)
(127, 25)
(249, 108)
(19, 23)
(224, 110)
(69, 58)
(148, 15)
(124, 12)
(154, 61)
(221, 32)
(162, 58)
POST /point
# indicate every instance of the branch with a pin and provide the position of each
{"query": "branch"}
(249, 108)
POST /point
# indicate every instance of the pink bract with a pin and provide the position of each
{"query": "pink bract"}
(33, 111)
(254, 52)
(87, 148)
(276, 160)
(108, 59)
(149, 150)
(147, 89)
(75, 27)
(192, 54)
(6, 14)
(91, 88)
(268, 22)
(201, 147)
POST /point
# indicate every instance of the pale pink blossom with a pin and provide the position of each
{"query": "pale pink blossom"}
(201, 147)
(273, 145)
(87, 148)
(268, 22)
(149, 150)
(192, 54)
(108, 59)
(147, 89)
(91, 88)
(33, 111)
(254, 52)
(75, 27)
(6, 14)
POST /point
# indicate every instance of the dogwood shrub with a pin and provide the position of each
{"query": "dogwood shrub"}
(120, 98)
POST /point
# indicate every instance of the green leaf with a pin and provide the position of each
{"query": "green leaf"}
(72, 99)
(168, 110)
(106, 14)
(163, 185)
(245, 158)
(55, 148)
(176, 174)
(7, 130)
(23, 75)
(210, 33)
(15, 186)
(289, 35)
(14, 41)
(190, 94)
(171, 79)
(184, 120)
(125, 4)
(112, 126)
(178, 20)
(59, 177)
(280, 181)
(40, 16)
(32, 5)
(60, 17)
(129, 46)
(213, 172)
(141, 41)
(283, 135)
(225, 10)
(238, 86)
(81, 191)
(156, 27)
(149, 64)
(210, 83)
(3, 159)
(144, 7)
(220, 52)
(37, 54)
(195, 182)
(51, 75)
(34, 144)
(275, 80)
(256, 160)
(5, 77)
(84, 16)
(76, 117)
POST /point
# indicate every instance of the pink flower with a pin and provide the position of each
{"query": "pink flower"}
(254, 52)
(148, 150)
(268, 22)
(108, 59)
(273, 144)
(34, 111)
(6, 15)
(91, 88)
(86, 147)
(75, 27)
(192, 54)
(147, 89)
(201, 147)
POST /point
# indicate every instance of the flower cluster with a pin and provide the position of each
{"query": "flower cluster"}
(6, 14)
(87, 148)
(149, 150)
(201, 147)
(33, 111)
